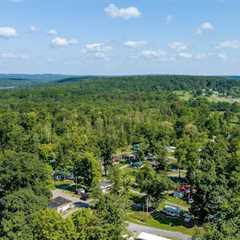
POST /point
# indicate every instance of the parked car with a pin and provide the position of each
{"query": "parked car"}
(137, 164)
(187, 218)
(70, 177)
(178, 194)
(82, 193)
(58, 176)
(172, 211)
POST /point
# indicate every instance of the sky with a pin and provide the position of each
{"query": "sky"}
(120, 37)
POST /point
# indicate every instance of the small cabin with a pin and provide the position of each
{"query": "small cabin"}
(116, 159)
(60, 204)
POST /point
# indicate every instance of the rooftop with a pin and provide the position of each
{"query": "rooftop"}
(57, 202)
(147, 236)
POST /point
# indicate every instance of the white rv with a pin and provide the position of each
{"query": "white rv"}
(147, 236)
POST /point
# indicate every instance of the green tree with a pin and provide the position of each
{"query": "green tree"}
(111, 210)
(116, 178)
(88, 170)
(49, 225)
(153, 184)
(225, 230)
(210, 180)
(161, 157)
(23, 170)
(87, 224)
(15, 211)
(106, 149)
(16, 227)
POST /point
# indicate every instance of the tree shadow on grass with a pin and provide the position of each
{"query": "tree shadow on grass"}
(67, 187)
(171, 221)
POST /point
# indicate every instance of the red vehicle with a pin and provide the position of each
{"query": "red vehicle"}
(187, 190)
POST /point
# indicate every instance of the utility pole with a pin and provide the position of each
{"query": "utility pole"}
(147, 204)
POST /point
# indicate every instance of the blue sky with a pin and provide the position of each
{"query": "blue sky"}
(120, 36)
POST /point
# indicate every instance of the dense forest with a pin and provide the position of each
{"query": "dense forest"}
(75, 126)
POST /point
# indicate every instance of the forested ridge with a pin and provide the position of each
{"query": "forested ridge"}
(67, 125)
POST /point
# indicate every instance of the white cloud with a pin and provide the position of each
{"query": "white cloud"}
(194, 56)
(222, 56)
(12, 56)
(7, 32)
(52, 32)
(185, 55)
(169, 19)
(33, 28)
(200, 56)
(8, 55)
(178, 46)
(154, 55)
(63, 42)
(235, 44)
(205, 27)
(97, 47)
(125, 13)
(101, 55)
(135, 44)
(97, 50)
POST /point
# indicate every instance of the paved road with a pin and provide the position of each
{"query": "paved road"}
(136, 228)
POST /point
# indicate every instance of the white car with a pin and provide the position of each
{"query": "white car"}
(172, 211)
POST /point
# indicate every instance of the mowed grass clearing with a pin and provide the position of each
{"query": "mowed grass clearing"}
(147, 220)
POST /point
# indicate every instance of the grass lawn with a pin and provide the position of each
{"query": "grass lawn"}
(65, 185)
(125, 150)
(183, 95)
(130, 172)
(176, 173)
(163, 223)
(169, 200)
(147, 220)
(215, 98)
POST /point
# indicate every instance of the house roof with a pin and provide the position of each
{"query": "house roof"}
(147, 236)
(57, 202)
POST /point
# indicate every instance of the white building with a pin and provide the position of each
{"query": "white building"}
(60, 204)
(105, 186)
(147, 236)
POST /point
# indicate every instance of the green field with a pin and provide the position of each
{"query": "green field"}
(215, 98)
(185, 95)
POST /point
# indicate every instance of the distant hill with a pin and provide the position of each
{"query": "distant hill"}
(34, 76)
(8, 81)
(234, 77)
(78, 78)
(225, 85)
(22, 80)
